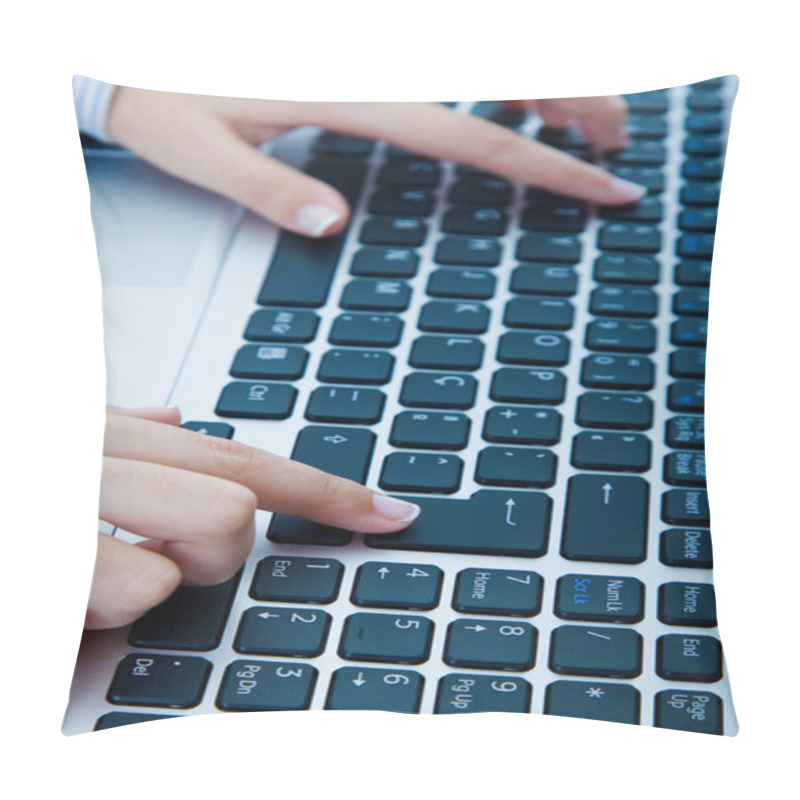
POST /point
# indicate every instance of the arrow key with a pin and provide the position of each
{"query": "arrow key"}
(355, 689)
(280, 631)
(491, 644)
(393, 585)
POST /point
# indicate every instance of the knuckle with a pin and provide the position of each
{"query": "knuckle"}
(148, 586)
(230, 509)
(332, 490)
(231, 459)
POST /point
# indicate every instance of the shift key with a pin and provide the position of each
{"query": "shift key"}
(606, 519)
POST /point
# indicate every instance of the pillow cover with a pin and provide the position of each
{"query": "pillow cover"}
(506, 337)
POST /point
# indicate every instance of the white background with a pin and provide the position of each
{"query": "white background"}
(52, 400)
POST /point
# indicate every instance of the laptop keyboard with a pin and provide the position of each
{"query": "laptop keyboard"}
(527, 368)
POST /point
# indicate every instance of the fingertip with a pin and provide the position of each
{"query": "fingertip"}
(319, 219)
(395, 509)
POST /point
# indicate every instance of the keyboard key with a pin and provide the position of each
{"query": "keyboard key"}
(687, 396)
(371, 330)
(192, 618)
(693, 273)
(440, 316)
(689, 332)
(685, 507)
(564, 218)
(385, 262)
(695, 245)
(684, 547)
(446, 352)
(434, 390)
(281, 325)
(617, 372)
(703, 220)
(700, 194)
(691, 302)
(464, 284)
(144, 679)
(687, 363)
(548, 247)
(618, 452)
(541, 349)
(386, 637)
(356, 689)
(294, 579)
(475, 221)
(330, 143)
(356, 366)
(687, 604)
(490, 644)
(651, 177)
(640, 153)
(414, 172)
(685, 469)
(606, 702)
(688, 711)
(480, 191)
(685, 432)
(468, 694)
(356, 406)
(462, 251)
(644, 126)
(689, 657)
(499, 592)
(607, 652)
(524, 467)
(278, 362)
(703, 123)
(421, 472)
(549, 313)
(519, 523)
(396, 231)
(395, 585)
(629, 237)
(274, 631)
(219, 429)
(600, 598)
(626, 268)
(620, 335)
(529, 386)
(522, 425)
(702, 169)
(398, 201)
(648, 209)
(549, 279)
(117, 719)
(430, 430)
(256, 400)
(617, 411)
(623, 301)
(606, 519)
(363, 294)
(266, 686)
(655, 102)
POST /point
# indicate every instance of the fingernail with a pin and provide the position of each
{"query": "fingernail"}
(626, 190)
(394, 509)
(316, 218)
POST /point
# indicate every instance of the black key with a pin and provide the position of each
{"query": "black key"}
(293, 579)
(705, 100)
(655, 102)
(281, 325)
(434, 390)
(430, 430)
(703, 146)
(475, 221)
(401, 202)
(700, 194)
(490, 644)
(117, 719)
(605, 702)
(395, 585)
(465, 284)
(691, 302)
(415, 172)
(565, 218)
(281, 631)
(607, 652)
(529, 386)
(516, 466)
(623, 301)
(617, 372)
(688, 363)
(266, 686)
(363, 294)
(219, 429)
(440, 316)
(687, 396)
(519, 523)
(356, 689)
(356, 366)
(469, 694)
(606, 519)
(340, 144)
(276, 361)
(702, 169)
(522, 425)
(629, 237)
(373, 330)
(695, 245)
(685, 507)
(689, 332)
(626, 268)
(446, 352)
(549, 313)
(549, 279)
(548, 247)
(644, 126)
(256, 400)
(618, 411)
(386, 637)
(650, 177)
(398, 231)
(648, 209)
(562, 138)
(540, 349)
(693, 273)
(385, 262)
(145, 679)
(338, 404)
(703, 220)
(499, 592)
(480, 191)
(620, 335)
(686, 432)
(700, 712)
(600, 598)
(640, 153)
(421, 472)
(684, 547)
(623, 452)
(192, 618)
(685, 469)
(689, 657)
(462, 251)
(703, 123)
(687, 604)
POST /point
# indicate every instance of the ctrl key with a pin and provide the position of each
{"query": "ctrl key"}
(144, 679)
(256, 400)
